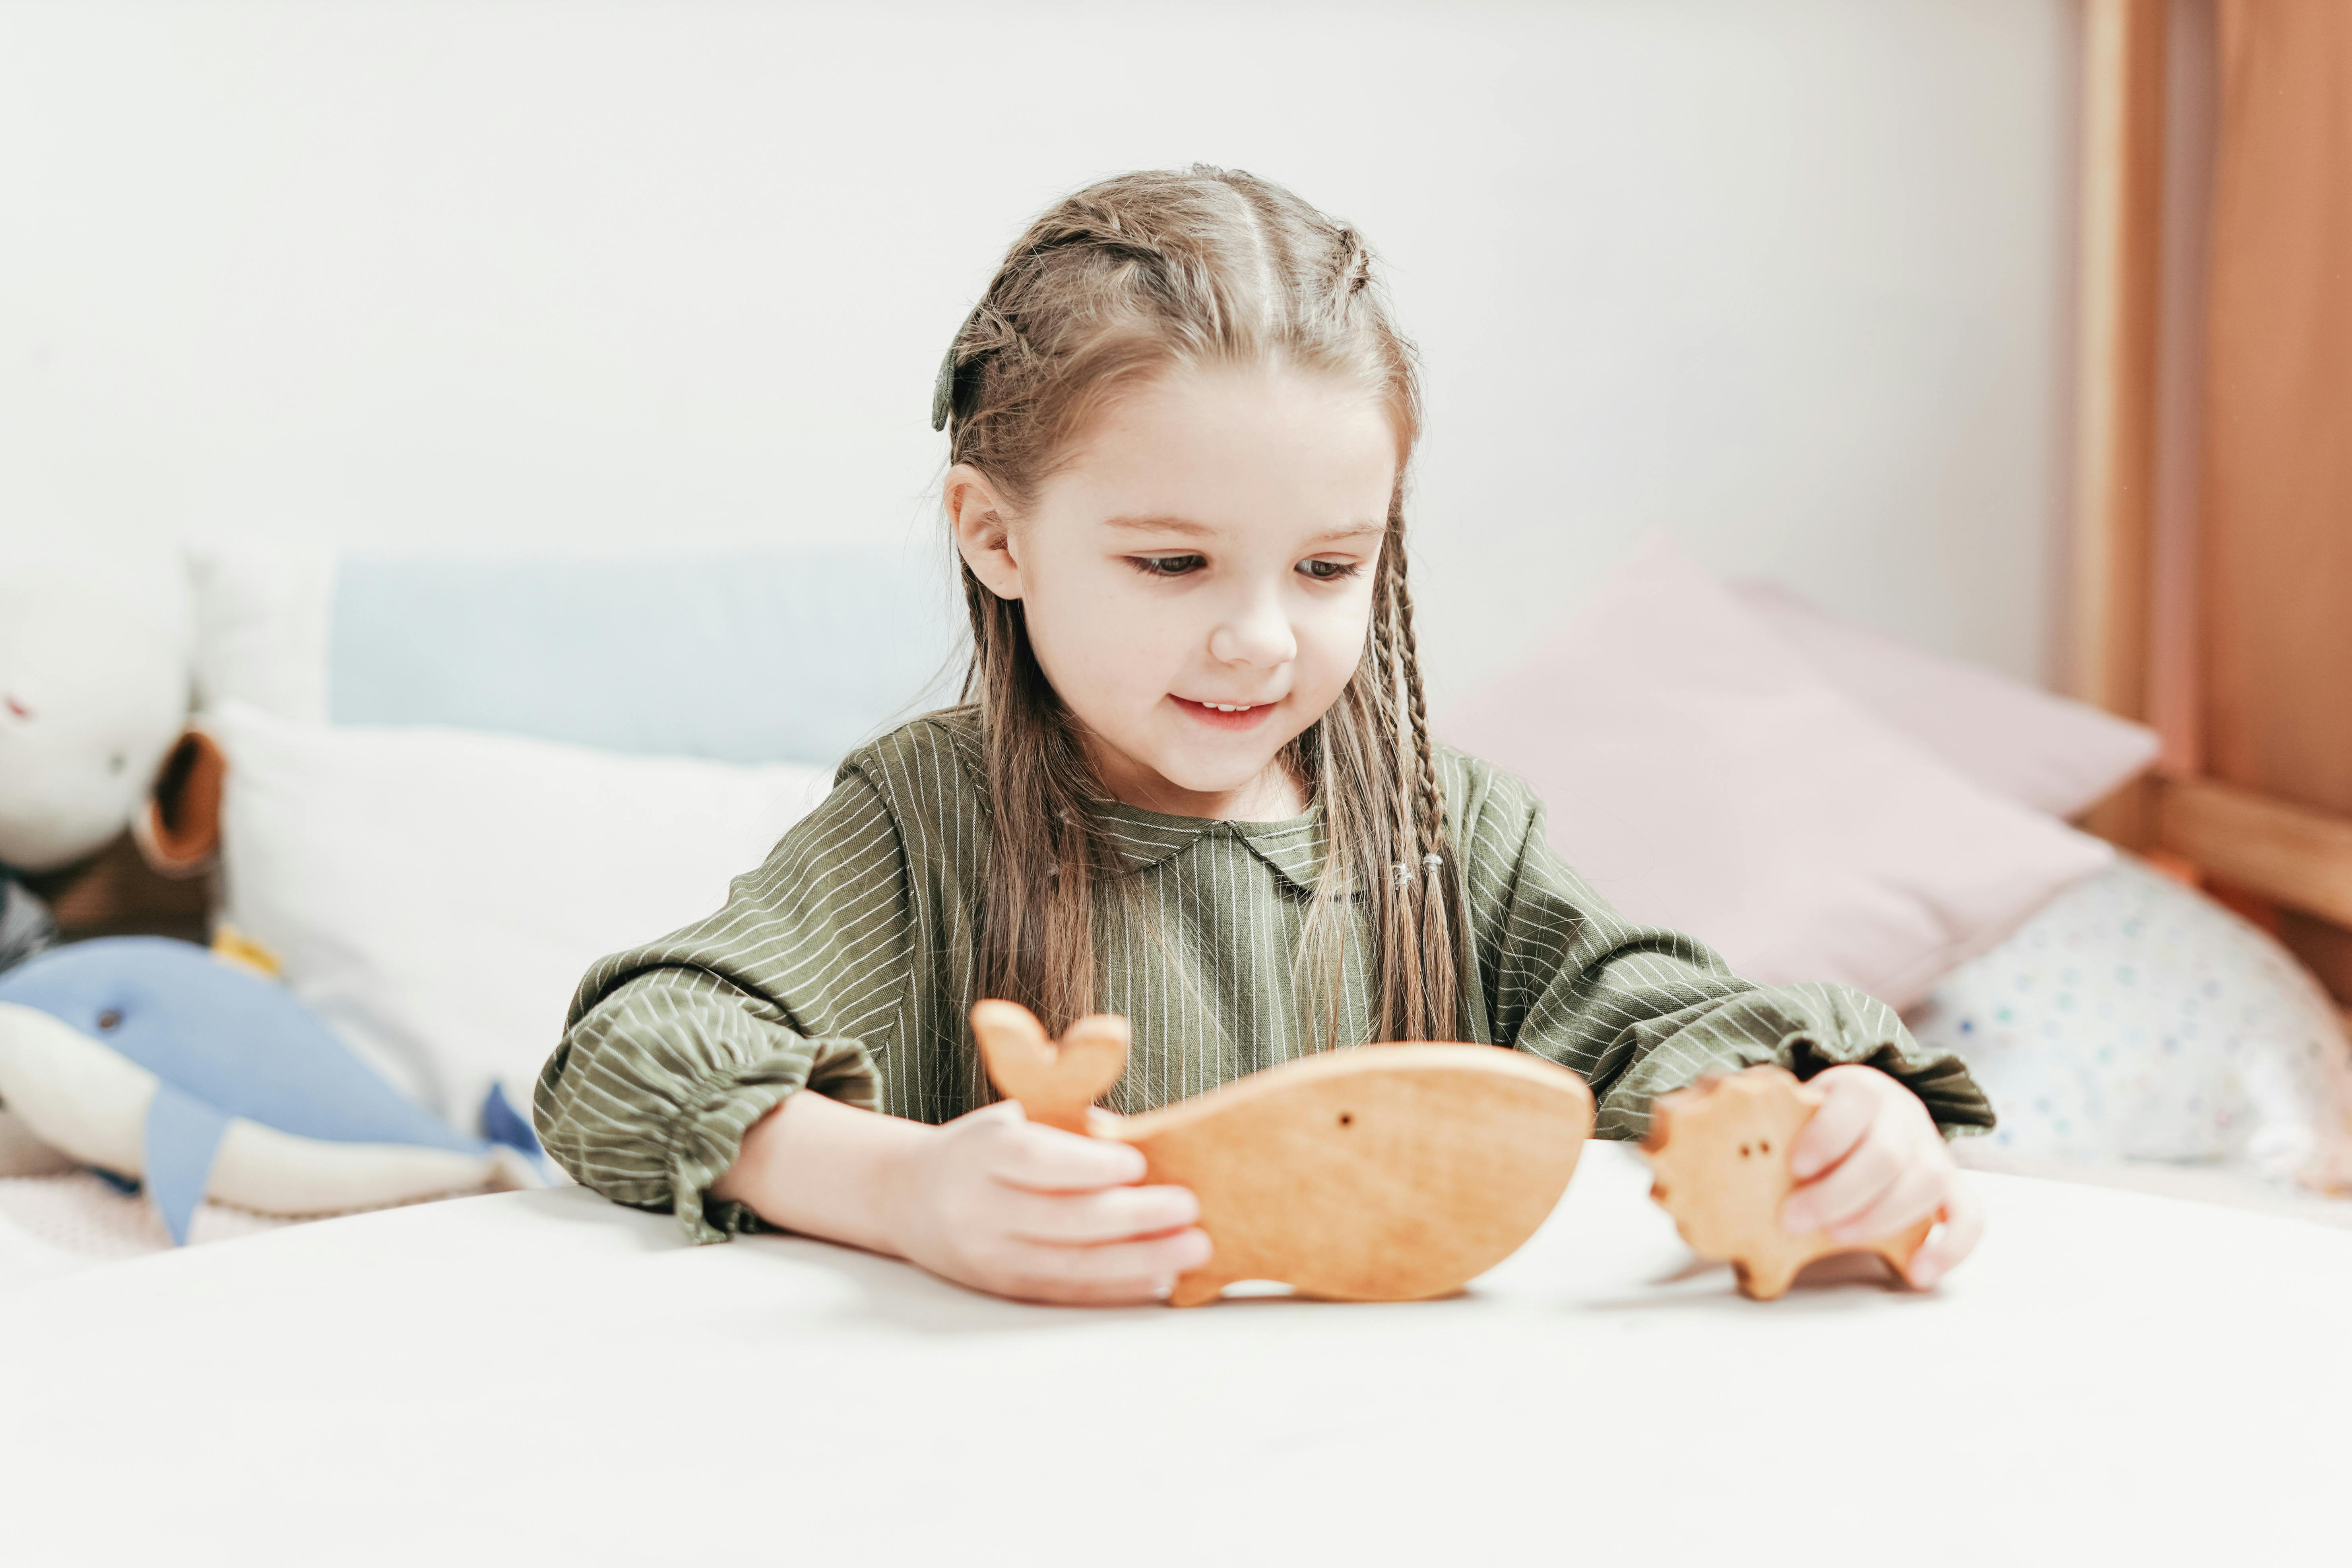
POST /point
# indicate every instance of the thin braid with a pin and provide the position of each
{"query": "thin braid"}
(1386, 695)
(1439, 895)
(1431, 815)
(1401, 982)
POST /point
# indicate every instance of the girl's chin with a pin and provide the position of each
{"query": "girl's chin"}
(1214, 788)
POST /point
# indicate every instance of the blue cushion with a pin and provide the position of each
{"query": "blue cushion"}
(777, 656)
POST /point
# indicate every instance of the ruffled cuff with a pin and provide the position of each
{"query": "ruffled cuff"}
(1805, 1028)
(1941, 1082)
(703, 1141)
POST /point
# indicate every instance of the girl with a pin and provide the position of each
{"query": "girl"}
(1192, 783)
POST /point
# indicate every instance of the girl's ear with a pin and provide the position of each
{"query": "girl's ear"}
(982, 535)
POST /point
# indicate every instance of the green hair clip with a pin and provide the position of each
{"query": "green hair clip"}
(943, 388)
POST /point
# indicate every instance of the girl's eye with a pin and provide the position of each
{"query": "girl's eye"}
(1167, 565)
(1329, 571)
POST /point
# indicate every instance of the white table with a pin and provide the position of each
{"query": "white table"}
(544, 1378)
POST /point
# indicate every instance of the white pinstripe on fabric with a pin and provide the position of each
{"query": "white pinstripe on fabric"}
(845, 964)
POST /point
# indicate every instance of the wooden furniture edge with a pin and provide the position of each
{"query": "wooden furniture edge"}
(2121, 244)
(2293, 854)
(2296, 855)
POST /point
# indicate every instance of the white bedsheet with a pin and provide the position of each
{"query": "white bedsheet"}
(543, 1377)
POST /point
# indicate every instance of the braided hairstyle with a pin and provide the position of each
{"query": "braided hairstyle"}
(1111, 287)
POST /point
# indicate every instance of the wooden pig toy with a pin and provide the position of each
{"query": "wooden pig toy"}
(1392, 1172)
(1719, 1153)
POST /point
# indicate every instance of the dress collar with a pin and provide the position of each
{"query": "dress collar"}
(1292, 847)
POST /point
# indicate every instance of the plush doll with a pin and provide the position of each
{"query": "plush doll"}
(155, 1060)
(94, 691)
(94, 678)
(148, 1059)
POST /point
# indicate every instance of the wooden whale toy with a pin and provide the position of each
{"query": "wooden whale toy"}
(1393, 1173)
(1719, 1155)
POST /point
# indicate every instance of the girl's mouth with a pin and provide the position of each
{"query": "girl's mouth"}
(1227, 715)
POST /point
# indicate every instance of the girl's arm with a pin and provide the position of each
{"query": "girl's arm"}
(676, 1048)
(987, 1200)
(684, 1084)
(1641, 1010)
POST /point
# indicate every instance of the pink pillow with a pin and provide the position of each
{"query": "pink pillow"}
(1701, 775)
(2049, 753)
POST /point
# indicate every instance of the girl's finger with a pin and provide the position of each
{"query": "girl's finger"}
(1916, 1194)
(1858, 1181)
(1843, 1121)
(1113, 1214)
(1048, 1160)
(1117, 1293)
(1951, 1241)
(1042, 1265)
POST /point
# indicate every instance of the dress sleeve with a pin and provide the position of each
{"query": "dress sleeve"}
(1641, 1010)
(675, 1049)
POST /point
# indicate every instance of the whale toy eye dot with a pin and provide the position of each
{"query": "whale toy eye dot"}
(108, 1019)
(114, 763)
(1347, 1118)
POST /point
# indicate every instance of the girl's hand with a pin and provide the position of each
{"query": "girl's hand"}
(1872, 1163)
(992, 1201)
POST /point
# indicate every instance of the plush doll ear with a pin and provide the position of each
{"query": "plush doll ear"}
(178, 829)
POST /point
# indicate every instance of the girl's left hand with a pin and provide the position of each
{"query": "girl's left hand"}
(1871, 1162)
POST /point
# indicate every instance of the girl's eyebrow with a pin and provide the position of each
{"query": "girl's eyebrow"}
(1190, 529)
(1162, 525)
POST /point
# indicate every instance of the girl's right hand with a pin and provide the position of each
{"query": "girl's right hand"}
(992, 1201)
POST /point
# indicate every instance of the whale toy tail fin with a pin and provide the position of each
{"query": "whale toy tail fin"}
(182, 1139)
(25, 927)
(503, 1124)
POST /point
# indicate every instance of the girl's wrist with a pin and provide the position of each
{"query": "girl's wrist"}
(893, 1186)
(817, 1167)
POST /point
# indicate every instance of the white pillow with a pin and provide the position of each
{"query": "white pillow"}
(1703, 776)
(262, 620)
(2047, 751)
(437, 895)
(2137, 1019)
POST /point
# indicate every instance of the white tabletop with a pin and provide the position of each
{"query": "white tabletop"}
(545, 1378)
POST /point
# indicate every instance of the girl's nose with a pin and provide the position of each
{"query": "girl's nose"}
(1255, 632)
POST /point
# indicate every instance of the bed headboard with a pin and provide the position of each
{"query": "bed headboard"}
(2213, 567)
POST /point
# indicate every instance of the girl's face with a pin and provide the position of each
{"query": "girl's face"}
(1197, 578)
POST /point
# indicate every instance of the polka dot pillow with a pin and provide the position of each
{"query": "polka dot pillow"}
(2134, 1018)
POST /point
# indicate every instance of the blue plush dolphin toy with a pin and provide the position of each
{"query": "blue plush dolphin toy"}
(150, 1058)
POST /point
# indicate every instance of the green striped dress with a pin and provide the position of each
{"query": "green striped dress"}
(845, 964)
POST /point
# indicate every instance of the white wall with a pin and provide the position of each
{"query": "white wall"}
(1788, 277)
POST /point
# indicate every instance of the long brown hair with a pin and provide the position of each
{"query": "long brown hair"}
(1117, 283)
